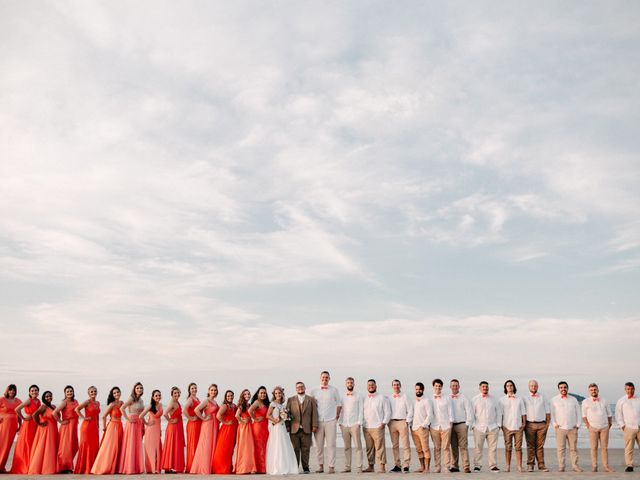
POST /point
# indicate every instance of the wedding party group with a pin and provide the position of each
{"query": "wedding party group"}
(262, 435)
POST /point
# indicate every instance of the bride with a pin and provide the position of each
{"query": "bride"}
(281, 459)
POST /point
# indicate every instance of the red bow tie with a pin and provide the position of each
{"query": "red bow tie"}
(454, 395)
(630, 397)
(396, 395)
(323, 388)
(563, 397)
(371, 395)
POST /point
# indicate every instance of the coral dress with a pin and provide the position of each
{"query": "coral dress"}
(131, 454)
(203, 458)
(8, 428)
(260, 438)
(68, 437)
(153, 442)
(173, 451)
(245, 450)
(193, 432)
(44, 451)
(106, 462)
(26, 436)
(89, 439)
(223, 454)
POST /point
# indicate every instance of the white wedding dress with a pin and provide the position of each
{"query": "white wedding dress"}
(281, 459)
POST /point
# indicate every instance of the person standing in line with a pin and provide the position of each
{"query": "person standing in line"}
(565, 416)
(419, 423)
(68, 443)
(401, 413)
(487, 423)
(8, 423)
(281, 459)
(245, 461)
(350, 421)
(44, 452)
(514, 418)
(596, 415)
(27, 432)
(441, 427)
(89, 433)
(106, 462)
(223, 453)
(303, 412)
(628, 418)
(173, 451)
(260, 427)
(206, 411)
(153, 433)
(462, 412)
(377, 413)
(194, 424)
(329, 406)
(538, 413)
(131, 454)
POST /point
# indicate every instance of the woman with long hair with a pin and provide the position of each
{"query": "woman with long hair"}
(223, 454)
(245, 450)
(131, 455)
(44, 452)
(194, 424)
(89, 432)
(27, 433)
(281, 459)
(106, 462)
(68, 445)
(8, 423)
(173, 452)
(152, 433)
(206, 411)
(260, 427)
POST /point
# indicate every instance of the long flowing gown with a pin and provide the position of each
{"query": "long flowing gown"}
(260, 437)
(203, 458)
(153, 442)
(223, 454)
(245, 449)
(44, 451)
(193, 432)
(281, 459)
(68, 437)
(131, 455)
(173, 451)
(26, 436)
(89, 439)
(106, 462)
(8, 428)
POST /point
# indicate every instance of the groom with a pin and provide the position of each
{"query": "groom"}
(304, 421)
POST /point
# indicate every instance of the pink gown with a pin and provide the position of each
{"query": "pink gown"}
(153, 442)
(106, 463)
(203, 458)
(68, 437)
(8, 428)
(26, 436)
(131, 454)
(44, 452)
(173, 451)
(245, 449)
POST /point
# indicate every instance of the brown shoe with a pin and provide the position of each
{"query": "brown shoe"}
(346, 470)
(368, 470)
(331, 470)
(467, 470)
(382, 469)
(320, 470)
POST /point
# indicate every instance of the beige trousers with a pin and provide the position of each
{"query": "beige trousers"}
(441, 443)
(491, 436)
(421, 441)
(562, 438)
(460, 445)
(374, 443)
(536, 434)
(326, 431)
(399, 432)
(631, 436)
(512, 438)
(601, 436)
(349, 434)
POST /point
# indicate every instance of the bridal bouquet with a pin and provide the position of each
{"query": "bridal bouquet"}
(285, 415)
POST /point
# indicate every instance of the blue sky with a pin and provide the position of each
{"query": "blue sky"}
(251, 192)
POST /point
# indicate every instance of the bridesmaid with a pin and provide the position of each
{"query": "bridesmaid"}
(152, 434)
(131, 455)
(194, 424)
(27, 433)
(44, 452)
(245, 450)
(258, 411)
(206, 411)
(173, 452)
(8, 423)
(223, 454)
(106, 462)
(89, 432)
(68, 435)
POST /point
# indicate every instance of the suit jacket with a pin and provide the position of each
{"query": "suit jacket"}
(303, 416)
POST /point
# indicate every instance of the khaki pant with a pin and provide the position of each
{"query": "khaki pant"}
(421, 441)
(348, 434)
(599, 435)
(562, 438)
(512, 438)
(536, 434)
(441, 443)
(459, 445)
(491, 436)
(326, 430)
(399, 432)
(374, 443)
(631, 437)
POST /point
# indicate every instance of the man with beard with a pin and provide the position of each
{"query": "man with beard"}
(420, 421)
(596, 415)
(401, 411)
(351, 420)
(377, 413)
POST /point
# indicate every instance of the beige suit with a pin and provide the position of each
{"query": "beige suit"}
(304, 418)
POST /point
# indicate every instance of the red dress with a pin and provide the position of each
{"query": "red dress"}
(193, 432)
(245, 449)
(8, 428)
(106, 462)
(89, 439)
(203, 458)
(223, 454)
(173, 451)
(68, 437)
(260, 438)
(153, 443)
(44, 452)
(26, 436)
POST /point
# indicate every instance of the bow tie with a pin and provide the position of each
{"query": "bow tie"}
(484, 395)
(371, 395)
(323, 388)
(534, 395)
(595, 399)
(418, 399)
(630, 397)
(454, 396)
(396, 395)
(349, 394)
(563, 397)
(512, 397)
(436, 396)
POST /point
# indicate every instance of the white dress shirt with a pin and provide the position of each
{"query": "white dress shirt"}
(328, 399)
(401, 407)
(565, 412)
(512, 411)
(352, 409)
(442, 413)
(537, 407)
(377, 410)
(597, 412)
(628, 412)
(487, 412)
(422, 413)
(462, 409)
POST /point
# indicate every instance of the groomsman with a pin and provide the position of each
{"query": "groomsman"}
(377, 413)
(329, 406)
(628, 418)
(565, 416)
(596, 415)
(487, 423)
(535, 430)
(441, 426)
(420, 421)
(304, 421)
(401, 412)
(462, 419)
(351, 419)
(514, 418)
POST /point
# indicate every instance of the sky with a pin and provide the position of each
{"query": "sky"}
(251, 192)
